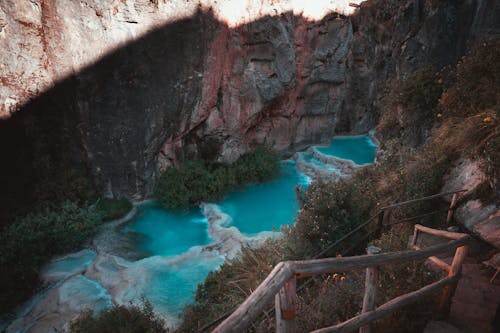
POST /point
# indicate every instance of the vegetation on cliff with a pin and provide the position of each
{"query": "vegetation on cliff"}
(196, 181)
(65, 212)
(426, 125)
(33, 239)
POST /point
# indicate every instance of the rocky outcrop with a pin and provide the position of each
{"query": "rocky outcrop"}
(130, 87)
(482, 219)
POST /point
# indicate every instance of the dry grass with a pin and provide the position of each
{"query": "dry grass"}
(230, 285)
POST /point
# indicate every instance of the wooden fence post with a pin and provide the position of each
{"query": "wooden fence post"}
(371, 282)
(415, 237)
(455, 269)
(454, 199)
(285, 307)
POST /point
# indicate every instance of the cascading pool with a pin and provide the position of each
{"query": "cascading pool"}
(165, 233)
(267, 206)
(163, 255)
(359, 149)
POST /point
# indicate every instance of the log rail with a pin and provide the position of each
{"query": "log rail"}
(280, 285)
(281, 282)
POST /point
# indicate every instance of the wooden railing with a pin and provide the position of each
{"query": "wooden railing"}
(383, 218)
(281, 283)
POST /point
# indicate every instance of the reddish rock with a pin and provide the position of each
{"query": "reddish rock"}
(140, 85)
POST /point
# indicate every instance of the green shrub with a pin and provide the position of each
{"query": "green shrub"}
(257, 166)
(120, 319)
(197, 181)
(34, 238)
(113, 209)
(330, 210)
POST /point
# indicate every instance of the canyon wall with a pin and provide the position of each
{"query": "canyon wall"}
(130, 87)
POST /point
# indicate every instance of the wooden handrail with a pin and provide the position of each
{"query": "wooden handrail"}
(394, 304)
(441, 233)
(305, 268)
(242, 318)
(383, 215)
(399, 204)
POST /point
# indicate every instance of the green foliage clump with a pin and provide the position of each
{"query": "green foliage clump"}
(32, 239)
(113, 209)
(120, 319)
(196, 181)
(61, 217)
(330, 210)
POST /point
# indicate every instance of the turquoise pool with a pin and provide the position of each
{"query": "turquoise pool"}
(359, 149)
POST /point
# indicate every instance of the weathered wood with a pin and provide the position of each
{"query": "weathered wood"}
(455, 270)
(415, 237)
(420, 199)
(319, 266)
(241, 319)
(371, 282)
(285, 301)
(383, 310)
(441, 233)
(438, 262)
(449, 216)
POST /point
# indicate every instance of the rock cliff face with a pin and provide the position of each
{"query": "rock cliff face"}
(130, 87)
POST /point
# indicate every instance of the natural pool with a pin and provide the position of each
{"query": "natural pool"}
(163, 255)
(179, 237)
(267, 206)
(359, 149)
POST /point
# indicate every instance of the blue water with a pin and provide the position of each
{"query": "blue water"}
(170, 245)
(166, 233)
(171, 271)
(172, 286)
(174, 265)
(359, 149)
(69, 265)
(266, 206)
(309, 158)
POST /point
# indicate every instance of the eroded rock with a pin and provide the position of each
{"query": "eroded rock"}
(131, 87)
